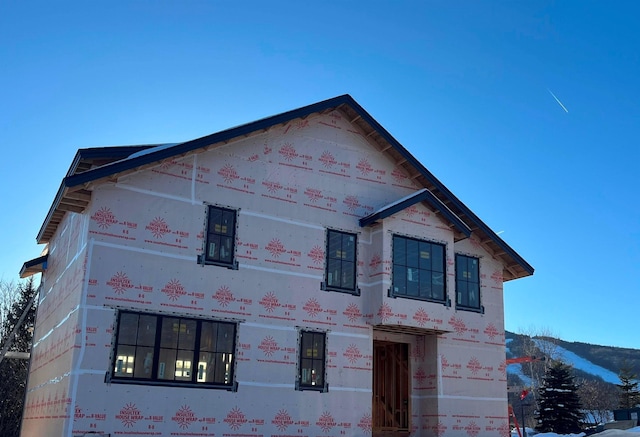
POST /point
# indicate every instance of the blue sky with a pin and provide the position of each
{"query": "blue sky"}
(463, 85)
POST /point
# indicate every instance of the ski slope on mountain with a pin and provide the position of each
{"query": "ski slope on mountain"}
(577, 361)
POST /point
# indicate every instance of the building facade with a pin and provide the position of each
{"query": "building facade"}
(302, 275)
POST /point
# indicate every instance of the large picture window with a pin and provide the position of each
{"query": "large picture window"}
(467, 282)
(418, 269)
(221, 237)
(311, 367)
(166, 349)
(341, 261)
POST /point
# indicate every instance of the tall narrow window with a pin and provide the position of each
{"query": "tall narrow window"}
(467, 282)
(341, 261)
(165, 349)
(221, 236)
(312, 361)
(418, 269)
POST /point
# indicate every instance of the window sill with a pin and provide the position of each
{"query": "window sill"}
(113, 380)
(202, 261)
(470, 309)
(325, 287)
(445, 302)
(319, 389)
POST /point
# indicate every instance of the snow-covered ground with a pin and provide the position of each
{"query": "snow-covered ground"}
(633, 432)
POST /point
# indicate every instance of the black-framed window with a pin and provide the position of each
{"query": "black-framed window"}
(172, 350)
(419, 269)
(341, 261)
(467, 282)
(311, 367)
(220, 237)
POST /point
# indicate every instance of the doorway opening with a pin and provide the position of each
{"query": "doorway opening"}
(391, 407)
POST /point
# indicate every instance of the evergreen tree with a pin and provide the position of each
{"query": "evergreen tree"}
(629, 396)
(559, 408)
(13, 372)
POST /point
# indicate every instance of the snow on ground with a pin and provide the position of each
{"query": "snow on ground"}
(633, 432)
(577, 361)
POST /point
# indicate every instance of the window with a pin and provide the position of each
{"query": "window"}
(418, 269)
(221, 237)
(164, 349)
(341, 261)
(312, 361)
(467, 282)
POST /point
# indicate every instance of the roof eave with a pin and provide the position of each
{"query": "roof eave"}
(34, 266)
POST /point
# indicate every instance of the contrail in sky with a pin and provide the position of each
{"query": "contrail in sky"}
(558, 100)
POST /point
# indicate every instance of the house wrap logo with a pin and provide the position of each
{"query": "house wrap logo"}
(272, 187)
(352, 312)
(174, 290)
(474, 365)
(129, 415)
(235, 419)
(104, 218)
(184, 417)
(472, 429)
(398, 175)
(327, 159)
(313, 194)
(364, 167)
(312, 307)
(268, 346)
(352, 353)
(158, 227)
(269, 301)
(491, 331)
(365, 423)
(224, 296)
(421, 317)
(385, 312)
(317, 254)
(275, 248)
(282, 420)
(120, 283)
(326, 422)
(351, 202)
(288, 152)
(458, 325)
(228, 173)
(439, 429)
(420, 376)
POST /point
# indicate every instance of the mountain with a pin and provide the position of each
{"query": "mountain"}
(589, 361)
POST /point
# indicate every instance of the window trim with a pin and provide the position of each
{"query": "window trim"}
(391, 293)
(111, 378)
(202, 258)
(459, 306)
(299, 386)
(325, 284)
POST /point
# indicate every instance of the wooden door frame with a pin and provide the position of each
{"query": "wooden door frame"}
(391, 399)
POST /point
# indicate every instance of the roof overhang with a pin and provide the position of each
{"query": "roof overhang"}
(36, 265)
(423, 195)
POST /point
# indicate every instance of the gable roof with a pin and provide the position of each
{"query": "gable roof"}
(423, 195)
(93, 165)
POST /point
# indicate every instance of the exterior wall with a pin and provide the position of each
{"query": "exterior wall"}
(141, 237)
(57, 344)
